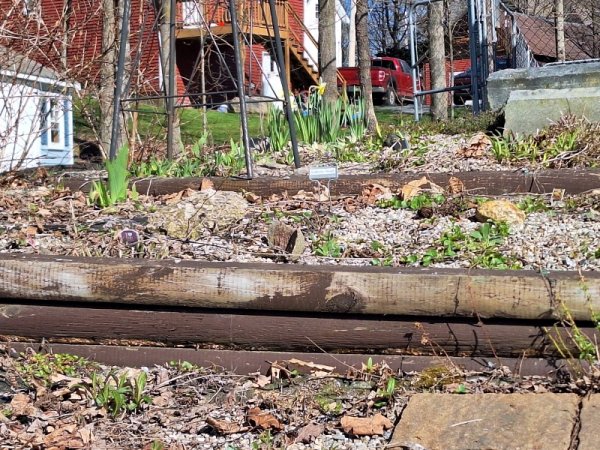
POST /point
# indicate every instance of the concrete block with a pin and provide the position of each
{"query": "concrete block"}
(487, 421)
(528, 111)
(566, 76)
(590, 423)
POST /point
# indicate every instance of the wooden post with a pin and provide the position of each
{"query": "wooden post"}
(288, 72)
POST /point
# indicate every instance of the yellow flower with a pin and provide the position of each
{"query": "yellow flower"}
(321, 87)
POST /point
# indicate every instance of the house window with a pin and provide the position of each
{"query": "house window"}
(30, 8)
(54, 123)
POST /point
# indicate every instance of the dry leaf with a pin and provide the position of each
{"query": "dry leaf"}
(309, 433)
(170, 199)
(455, 186)
(375, 192)
(20, 405)
(367, 426)
(350, 205)
(559, 194)
(206, 184)
(262, 381)
(322, 195)
(31, 230)
(311, 365)
(64, 437)
(261, 419)
(44, 212)
(224, 426)
(476, 147)
(251, 197)
(86, 433)
(412, 188)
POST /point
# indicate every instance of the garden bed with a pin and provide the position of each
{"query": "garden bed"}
(387, 262)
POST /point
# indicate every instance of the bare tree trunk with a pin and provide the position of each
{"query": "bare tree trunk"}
(364, 60)
(560, 30)
(327, 53)
(437, 60)
(107, 74)
(164, 15)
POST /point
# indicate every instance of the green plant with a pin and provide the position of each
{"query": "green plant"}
(414, 203)
(386, 258)
(329, 405)
(385, 396)
(265, 441)
(277, 129)
(118, 393)
(345, 151)
(587, 349)
(480, 246)
(461, 389)
(157, 445)
(532, 204)
(321, 120)
(115, 191)
(355, 119)
(42, 366)
(369, 367)
(500, 149)
(184, 366)
(328, 246)
(230, 162)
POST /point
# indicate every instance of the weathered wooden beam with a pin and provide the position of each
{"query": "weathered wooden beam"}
(574, 181)
(323, 289)
(281, 332)
(247, 362)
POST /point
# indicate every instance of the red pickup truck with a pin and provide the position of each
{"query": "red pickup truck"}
(391, 79)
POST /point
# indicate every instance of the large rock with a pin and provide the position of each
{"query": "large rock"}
(487, 421)
(529, 111)
(501, 211)
(566, 76)
(254, 104)
(191, 216)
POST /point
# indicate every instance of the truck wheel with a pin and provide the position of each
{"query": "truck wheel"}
(390, 98)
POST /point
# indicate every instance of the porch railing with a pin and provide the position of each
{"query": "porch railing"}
(253, 13)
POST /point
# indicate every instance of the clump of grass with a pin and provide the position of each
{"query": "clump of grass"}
(570, 142)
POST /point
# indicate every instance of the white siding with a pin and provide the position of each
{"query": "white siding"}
(19, 126)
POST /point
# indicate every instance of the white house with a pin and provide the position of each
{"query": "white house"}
(311, 21)
(271, 82)
(36, 116)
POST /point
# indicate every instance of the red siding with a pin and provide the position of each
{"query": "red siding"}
(252, 67)
(459, 65)
(84, 41)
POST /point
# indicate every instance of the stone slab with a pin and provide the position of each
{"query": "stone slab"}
(589, 433)
(487, 421)
(502, 83)
(529, 111)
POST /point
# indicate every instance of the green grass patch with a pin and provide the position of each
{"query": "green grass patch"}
(152, 123)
